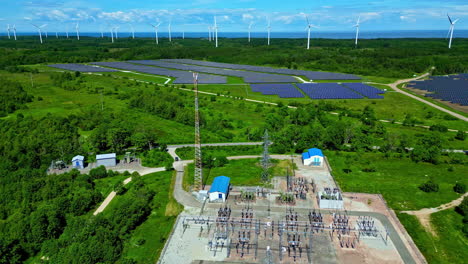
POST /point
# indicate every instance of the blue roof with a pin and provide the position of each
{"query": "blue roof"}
(312, 152)
(220, 184)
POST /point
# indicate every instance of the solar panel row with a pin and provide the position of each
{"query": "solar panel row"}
(328, 91)
(453, 88)
(312, 75)
(249, 77)
(182, 77)
(366, 90)
(283, 90)
(80, 67)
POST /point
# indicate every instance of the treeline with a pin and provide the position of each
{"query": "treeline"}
(396, 58)
(12, 96)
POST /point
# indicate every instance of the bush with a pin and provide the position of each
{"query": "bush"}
(459, 188)
(429, 186)
(437, 127)
(120, 188)
(460, 135)
(98, 173)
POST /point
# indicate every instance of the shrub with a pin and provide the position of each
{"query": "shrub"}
(119, 188)
(459, 188)
(437, 127)
(98, 173)
(429, 186)
(460, 135)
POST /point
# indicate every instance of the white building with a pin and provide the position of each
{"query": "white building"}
(106, 160)
(313, 157)
(78, 162)
(330, 199)
(219, 189)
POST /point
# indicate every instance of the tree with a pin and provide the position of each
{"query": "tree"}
(428, 148)
(459, 188)
(98, 173)
(429, 186)
(461, 135)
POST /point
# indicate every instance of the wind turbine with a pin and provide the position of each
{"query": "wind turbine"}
(56, 34)
(115, 31)
(8, 30)
(112, 34)
(452, 25)
(133, 31)
(269, 29)
(209, 33)
(250, 27)
(66, 30)
(39, 29)
(77, 27)
(169, 28)
(183, 34)
(156, 27)
(216, 32)
(14, 31)
(357, 31)
(102, 33)
(308, 28)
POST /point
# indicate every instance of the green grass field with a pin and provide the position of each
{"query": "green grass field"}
(106, 185)
(187, 153)
(243, 172)
(397, 179)
(448, 246)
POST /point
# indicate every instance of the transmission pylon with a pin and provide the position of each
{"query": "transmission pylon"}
(265, 157)
(198, 178)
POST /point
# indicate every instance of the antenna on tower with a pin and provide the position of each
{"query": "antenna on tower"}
(198, 178)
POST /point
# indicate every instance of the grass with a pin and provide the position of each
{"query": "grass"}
(396, 178)
(187, 153)
(156, 229)
(243, 172)
(449, 246)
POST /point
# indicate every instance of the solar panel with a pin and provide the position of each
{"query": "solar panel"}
(80, 67)
(182, 77)
(249, 77)
(327, 91)
(312, 75)
(283, 90)
(366, 90)
(452, 88)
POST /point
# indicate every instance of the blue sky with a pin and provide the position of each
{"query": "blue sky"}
(234, 16)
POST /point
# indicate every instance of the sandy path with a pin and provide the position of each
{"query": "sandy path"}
(424, 215)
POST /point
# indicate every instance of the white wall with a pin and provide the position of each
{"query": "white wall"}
(214, 196)
(309, 161)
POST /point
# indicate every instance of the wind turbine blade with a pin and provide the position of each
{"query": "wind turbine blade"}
(359, 19)
(455, 21)
(448, 33)
(449, 19)
(308, 23)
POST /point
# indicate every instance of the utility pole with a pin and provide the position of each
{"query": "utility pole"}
(198, 179)
(265, 157)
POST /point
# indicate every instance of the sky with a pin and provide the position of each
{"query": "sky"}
(234, 16)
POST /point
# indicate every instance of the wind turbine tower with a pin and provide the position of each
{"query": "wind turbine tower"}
(357, 31)
(308, 32)
(169, 28)
(77, 27)
(156, 31)
(14, 31)
(250, 28)
(216, 32)
(133, 31)
(452, 25)
(8, 30)
(268, 29)
(112, 34)
(66, 30)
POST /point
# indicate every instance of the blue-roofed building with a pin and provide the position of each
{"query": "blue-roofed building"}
(313, 157)
(219, 189)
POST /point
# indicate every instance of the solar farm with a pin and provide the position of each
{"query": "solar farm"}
(81, 67)
(275, 82)
(453, 88)
(247, 76)
(312, 75)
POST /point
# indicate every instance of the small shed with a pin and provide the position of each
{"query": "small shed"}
(107, 160)
(219, 189)
(313, 157)
(78, 162)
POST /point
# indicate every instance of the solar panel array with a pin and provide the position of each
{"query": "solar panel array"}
(182, 77)
(366, 90)
(312, 75)
(283, 90)
(80, 67)
(328, 91)
(453, 88)
(249, 77)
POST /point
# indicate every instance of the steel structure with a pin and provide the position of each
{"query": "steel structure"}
(198, 178)
(265, 157)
